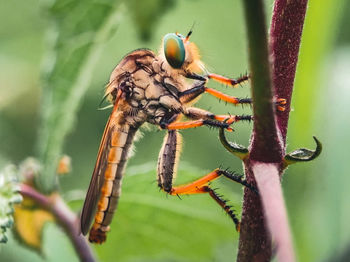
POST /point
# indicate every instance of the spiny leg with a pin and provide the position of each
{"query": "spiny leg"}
(197, 186)
(196, 123)
(168, 158)
(202, 185)
(223, 203)
(200, 88)
(219, 78)
(227, 98)
(198, 113)
(202, 117)
(279, 102)
(167, 164)
(167, 167)
(228, 81)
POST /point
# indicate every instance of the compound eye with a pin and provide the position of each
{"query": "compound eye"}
(174, 50)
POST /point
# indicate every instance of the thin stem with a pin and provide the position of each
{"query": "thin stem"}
(255, 242)
(64, 217)
(265, 145)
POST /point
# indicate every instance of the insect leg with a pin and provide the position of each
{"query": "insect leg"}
(197, 187)
(201, 117)
(172, 124)
(198, 113)
(280, 102)
(200, 88)
(202, 186)
(227, 98)
(223, 203)
(167, 167)
(168, 159)
(196, 123)
(228, 81)
(219, 78)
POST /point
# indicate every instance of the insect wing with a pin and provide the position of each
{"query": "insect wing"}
(93, 193)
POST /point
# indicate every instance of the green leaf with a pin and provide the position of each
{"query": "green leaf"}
(320, 196)
(8, 197)
(77, 34)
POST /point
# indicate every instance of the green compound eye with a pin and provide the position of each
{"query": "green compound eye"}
(174, 50)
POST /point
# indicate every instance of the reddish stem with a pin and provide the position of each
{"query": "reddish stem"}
(285, 36)
(254, 240)
(65, 217)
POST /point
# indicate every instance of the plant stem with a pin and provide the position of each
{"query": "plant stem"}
(65, 217)
(267, 147)
(254, 242)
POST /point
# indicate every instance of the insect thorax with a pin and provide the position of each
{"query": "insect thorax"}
(150, 88)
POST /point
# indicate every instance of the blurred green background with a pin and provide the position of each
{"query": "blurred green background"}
(149, 226)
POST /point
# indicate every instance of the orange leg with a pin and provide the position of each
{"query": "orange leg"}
(227, 98)
(228, 81)
(201, 186)
(280, 102)
(196, 187)
(196, 123)
(206, 118)
(197, 90)
(200, 114)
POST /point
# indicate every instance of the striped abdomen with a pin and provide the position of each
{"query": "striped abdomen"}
(118, 146)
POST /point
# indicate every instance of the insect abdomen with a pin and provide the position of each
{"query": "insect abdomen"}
(118, 151)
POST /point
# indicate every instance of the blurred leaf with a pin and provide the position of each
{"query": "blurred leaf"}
(330, 199)
(312, 214)
(29, 223)
(8, 197)
(79, 30)
(146, 14)
(314, 47)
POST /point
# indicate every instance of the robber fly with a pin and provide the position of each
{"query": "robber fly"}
(158, 89)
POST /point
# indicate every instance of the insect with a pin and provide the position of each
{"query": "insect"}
(159, 89)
